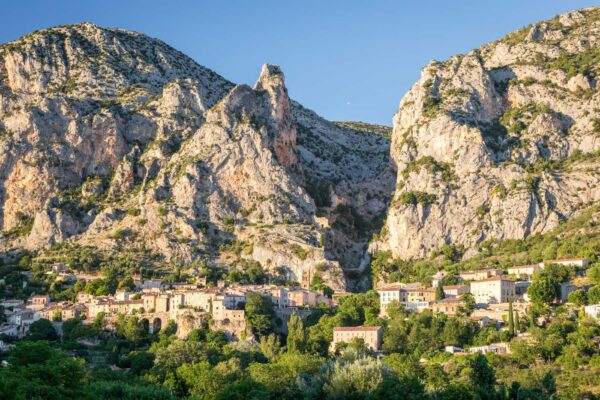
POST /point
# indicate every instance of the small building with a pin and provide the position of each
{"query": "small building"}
(448, 306)
(418, 306)
(152, 284)
(480, 274)
(338, 295)
(389, 293)
(372, 336)
(524, 270)
(453, 291)
(521, 287)
(592, 311)
(569, 262)
(12, 303)
(437, 278)
(496, 348)
(454, 350)
(566, 288)
(38, 301)
(420, 295)
(493, 290)
(484, 321)
(59, 268)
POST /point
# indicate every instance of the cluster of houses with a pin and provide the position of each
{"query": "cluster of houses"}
(158, 303)
(190, 305)
(492, 292)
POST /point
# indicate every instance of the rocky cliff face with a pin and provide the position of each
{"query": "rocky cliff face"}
(502, 142)
(115, 140)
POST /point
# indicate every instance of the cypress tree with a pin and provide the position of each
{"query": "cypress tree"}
(531, 318)
(511, 321)
(439, 292)
(517, 323)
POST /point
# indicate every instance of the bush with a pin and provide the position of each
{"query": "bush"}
(299, 251)
(432, 166)
(415, 197)
(228, 220)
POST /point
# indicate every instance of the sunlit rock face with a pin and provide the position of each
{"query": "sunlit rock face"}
(499, 143)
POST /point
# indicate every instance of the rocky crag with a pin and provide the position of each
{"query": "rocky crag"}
(500, 143)
(115, 140)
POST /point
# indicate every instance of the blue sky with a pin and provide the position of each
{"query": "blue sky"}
(347, 60)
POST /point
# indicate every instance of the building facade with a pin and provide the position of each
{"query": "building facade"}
(371, 335)
(493, 290)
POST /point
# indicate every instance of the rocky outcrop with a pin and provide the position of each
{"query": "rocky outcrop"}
(115, 140)
(499, 143)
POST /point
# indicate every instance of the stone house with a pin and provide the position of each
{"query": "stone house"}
(451, 291)
(524, 270)
(372, 336)
(493, 290)
(480, 274)
(448, 306)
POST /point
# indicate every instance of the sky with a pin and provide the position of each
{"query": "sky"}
(345, 59)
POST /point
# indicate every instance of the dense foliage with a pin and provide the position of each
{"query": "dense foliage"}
(557, 360)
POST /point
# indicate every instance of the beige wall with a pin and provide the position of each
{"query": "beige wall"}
(372, 338)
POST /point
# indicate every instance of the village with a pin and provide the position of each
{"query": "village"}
(485, 296)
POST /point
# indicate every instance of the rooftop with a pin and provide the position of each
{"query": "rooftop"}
(524, 266)
(356, 328)
(449, 300)
(491, 279)
(391, 286)
(565, 259)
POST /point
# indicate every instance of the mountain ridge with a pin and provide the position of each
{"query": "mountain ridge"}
(169, 157)
(116, 140)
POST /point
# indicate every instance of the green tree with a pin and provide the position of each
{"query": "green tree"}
(594, 274)
(356, 379)
(594, 295)
(439, 292)
(126, 391)
(578, 297)
(483, 377)
(511, 321)
(270, 346)
(37, 371)
(127, 283)
(132, 329)
(469, 304)
(204, 381)
(296, 339)
(544, 290)
(281, 377)
(259, 314)
(243, 389)
(42, 329)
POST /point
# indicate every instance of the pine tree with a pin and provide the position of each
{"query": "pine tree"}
(296, 340)
(511, 321)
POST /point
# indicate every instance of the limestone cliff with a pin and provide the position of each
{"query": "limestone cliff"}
(115, 140)
(502, 142)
